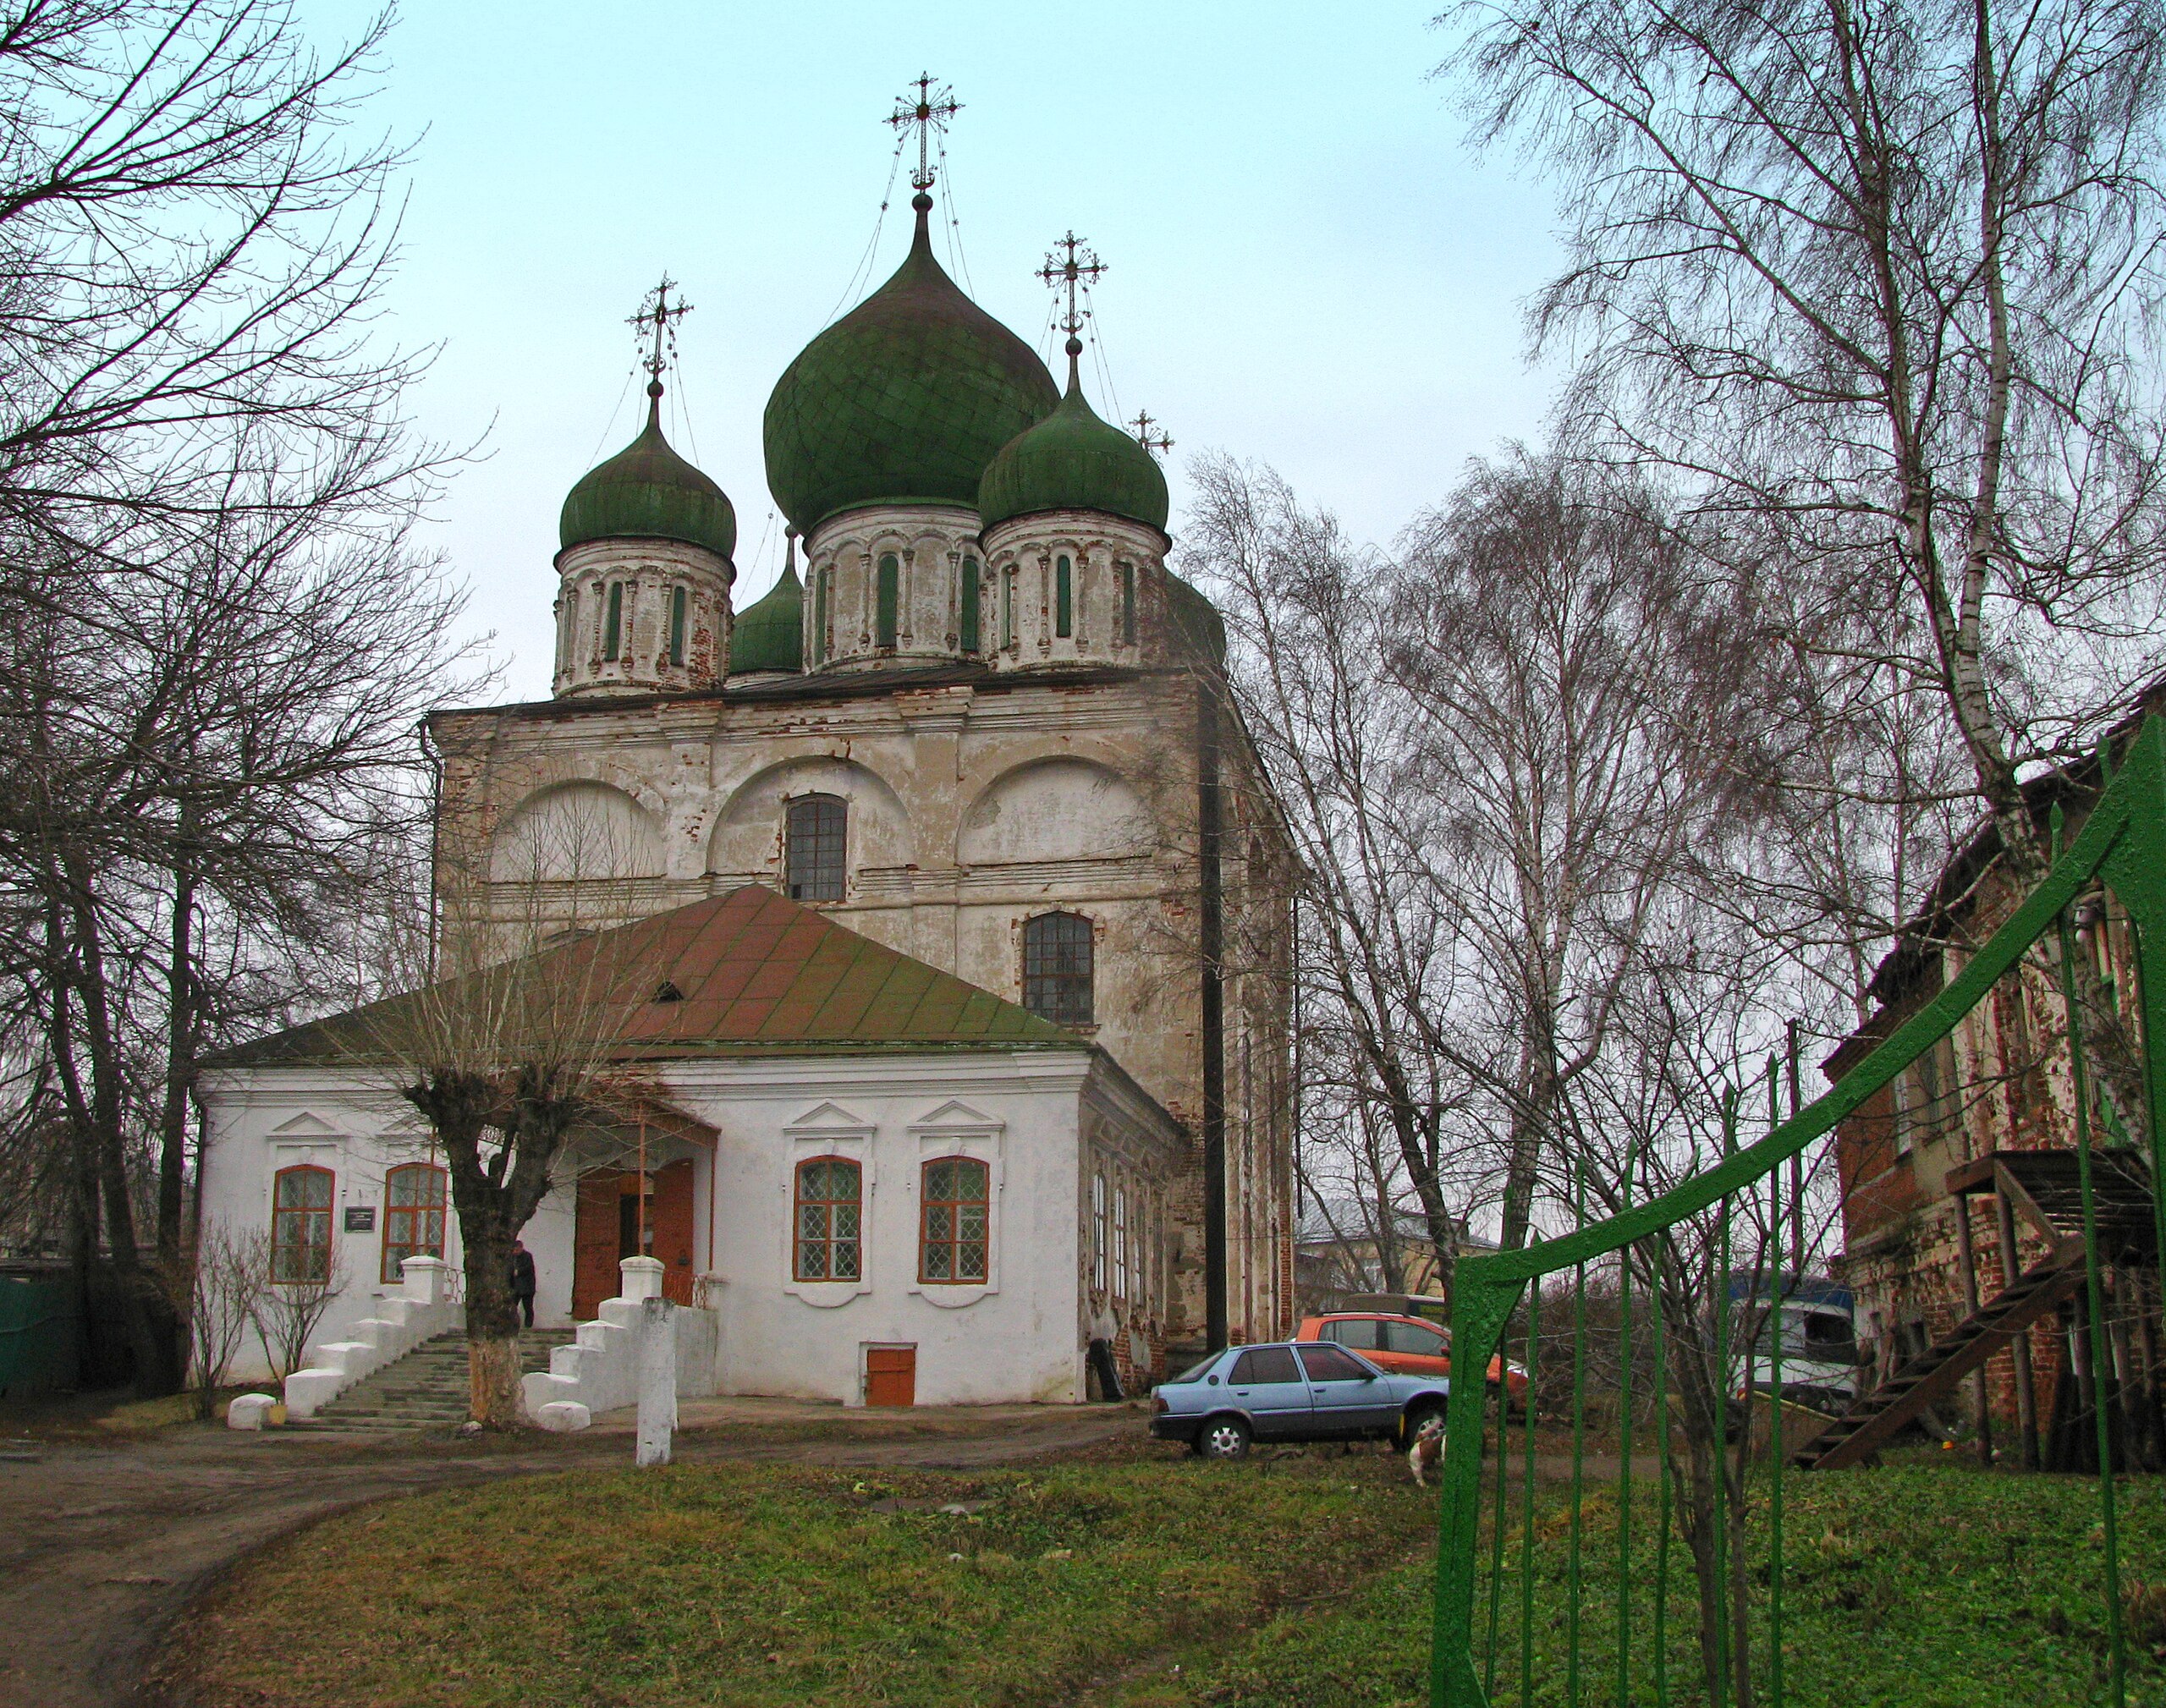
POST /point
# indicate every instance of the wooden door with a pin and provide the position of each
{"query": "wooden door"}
(669, 1210)
(595, 1243)
(891, 1376)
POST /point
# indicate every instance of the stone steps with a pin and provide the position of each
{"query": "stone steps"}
(427, 1388)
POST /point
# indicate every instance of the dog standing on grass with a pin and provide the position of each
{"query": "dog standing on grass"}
(1428, 1448)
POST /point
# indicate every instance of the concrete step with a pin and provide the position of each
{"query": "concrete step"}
(428, 1386)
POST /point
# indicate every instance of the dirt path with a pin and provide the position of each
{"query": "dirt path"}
(102, 1545)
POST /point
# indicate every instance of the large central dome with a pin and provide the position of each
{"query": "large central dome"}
(906, 398)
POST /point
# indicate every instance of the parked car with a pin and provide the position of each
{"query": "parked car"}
(1290, 1393)
(1405, 1345)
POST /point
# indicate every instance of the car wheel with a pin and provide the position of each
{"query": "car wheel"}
(1222, 1438)
(1417, 1415)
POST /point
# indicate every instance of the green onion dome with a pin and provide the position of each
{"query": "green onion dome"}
(1072, 460)
(769, 635)
(904, 399)
(647, 491)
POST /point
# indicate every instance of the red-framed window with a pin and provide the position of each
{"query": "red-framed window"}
(825, 1243)
(300, 1224)
(952, 1220)
(413, 1214)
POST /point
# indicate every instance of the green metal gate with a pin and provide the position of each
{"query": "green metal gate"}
(2122, 844)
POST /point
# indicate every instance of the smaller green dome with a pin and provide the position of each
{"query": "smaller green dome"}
(1072, 460)
(770, 634)
(647, 491)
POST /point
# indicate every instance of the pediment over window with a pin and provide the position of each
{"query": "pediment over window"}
(828, 1117)
(304, 1126)
(955, 1115)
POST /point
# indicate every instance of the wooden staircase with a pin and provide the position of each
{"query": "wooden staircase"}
(2045, 1187)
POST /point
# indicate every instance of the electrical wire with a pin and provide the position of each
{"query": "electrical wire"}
(956, 258)
(863, 269)
(602, 438)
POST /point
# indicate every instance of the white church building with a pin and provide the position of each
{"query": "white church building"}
(956, 881)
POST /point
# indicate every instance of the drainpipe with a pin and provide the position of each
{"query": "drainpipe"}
(1211, 942)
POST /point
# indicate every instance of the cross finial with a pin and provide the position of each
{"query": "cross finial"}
(1157, 444)
(928, 115)
(1069, 264)
(657, 319)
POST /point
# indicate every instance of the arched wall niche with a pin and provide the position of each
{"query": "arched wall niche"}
(748, 832)
(1059, 808)
(574, 831)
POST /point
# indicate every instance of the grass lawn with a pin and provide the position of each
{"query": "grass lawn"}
(1135, 1578)
(1915, 1587)
(759, 1584)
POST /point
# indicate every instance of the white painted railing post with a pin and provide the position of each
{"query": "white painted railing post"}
(657, 1402)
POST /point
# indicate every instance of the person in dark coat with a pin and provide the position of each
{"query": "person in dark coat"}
(522, 1279)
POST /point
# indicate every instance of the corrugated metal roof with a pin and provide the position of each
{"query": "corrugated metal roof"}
(750, 971)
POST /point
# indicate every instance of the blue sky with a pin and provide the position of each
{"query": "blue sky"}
(1307, 267)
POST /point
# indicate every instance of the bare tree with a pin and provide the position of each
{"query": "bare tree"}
(217, 635)
(227, 1272)
(289, 1309)
(515, 1055)
(1878, 285)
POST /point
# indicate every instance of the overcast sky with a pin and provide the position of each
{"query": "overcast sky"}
(1307, 267)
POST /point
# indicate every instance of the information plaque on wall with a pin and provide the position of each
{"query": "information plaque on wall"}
(360, 1218)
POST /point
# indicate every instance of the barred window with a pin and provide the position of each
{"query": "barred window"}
(1057, 968)
(413, 1214)
(1127, 604)
(968, 623)
(1097, 1233)
(1120, 1242)
(952, 1220)
(887, 598)
(612, 629)
(816, 848)
(676, 603)
(830, 1202)
(301, 1224)
(1064, 598)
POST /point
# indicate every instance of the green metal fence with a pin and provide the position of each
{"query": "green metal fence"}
(2122, 845)
(37, 1336)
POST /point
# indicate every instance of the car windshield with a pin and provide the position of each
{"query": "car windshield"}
(1195, 1372)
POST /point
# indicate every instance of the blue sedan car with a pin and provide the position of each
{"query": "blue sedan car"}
(1304, 1391)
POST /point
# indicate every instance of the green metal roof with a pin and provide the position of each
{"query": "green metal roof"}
(754, 973)
(647, 491)
(905, 398)
(1072, 460)
(769, 635)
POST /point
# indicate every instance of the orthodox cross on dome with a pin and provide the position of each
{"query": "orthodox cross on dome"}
(1157, 444)
(657, 319)
(928, 115)
(1069, 264)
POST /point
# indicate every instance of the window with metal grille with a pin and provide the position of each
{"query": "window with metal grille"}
(1008, 609)
(887, 598)
(1064, 598)
(676, 603)
(952, 1227)
(301, 1224)
(970, 602)
(612, 629)
(1057, 968)
(1097, 1233)
(820, 617)
(816, 848)
(1120, 1242)
(1127, 604)
(825, 1237)
(413, 1214)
